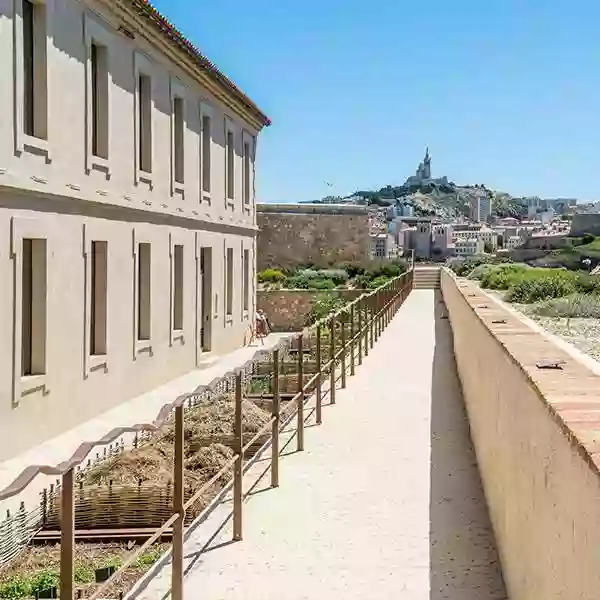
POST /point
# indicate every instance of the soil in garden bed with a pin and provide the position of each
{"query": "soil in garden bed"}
(37, 568)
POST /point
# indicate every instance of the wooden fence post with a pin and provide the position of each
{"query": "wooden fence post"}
(344, 349)
(352, 340)
(178, 506)
(275, 426)
(300, 387)
(238, 468)
(319, 400)
(67, 535)
(373, 304)
(360, 331)
(332, 357)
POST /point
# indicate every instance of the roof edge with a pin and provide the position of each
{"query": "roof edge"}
(171, 34)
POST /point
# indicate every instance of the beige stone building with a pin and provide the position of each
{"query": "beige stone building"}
(127, 215)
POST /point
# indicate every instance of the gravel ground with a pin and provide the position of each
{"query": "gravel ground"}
(584, 334)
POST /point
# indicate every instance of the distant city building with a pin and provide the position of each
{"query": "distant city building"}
(383, 245)
(468, 247)
(481, 208)
(488, 237)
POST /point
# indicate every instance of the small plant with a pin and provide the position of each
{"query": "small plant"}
(324, 305)
(15, 587)
(83, 574)
(270, 276)
(44, 580)
(148, 559)
(114, 562)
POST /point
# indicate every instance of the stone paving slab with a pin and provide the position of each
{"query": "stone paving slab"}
(384, 503)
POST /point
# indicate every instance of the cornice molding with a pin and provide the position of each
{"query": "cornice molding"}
(135, 23)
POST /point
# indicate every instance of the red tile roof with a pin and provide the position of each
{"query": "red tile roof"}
(174, 35)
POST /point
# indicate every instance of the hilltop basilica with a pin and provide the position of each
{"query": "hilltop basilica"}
(423, 175)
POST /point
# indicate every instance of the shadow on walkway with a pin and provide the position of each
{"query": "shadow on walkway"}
(464, 563)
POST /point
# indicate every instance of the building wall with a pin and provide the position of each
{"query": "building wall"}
(585, 223)
(288, 310)
(533, 431)
(56, 190)
(286, 239)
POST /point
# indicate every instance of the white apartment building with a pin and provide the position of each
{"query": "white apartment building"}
(126, 211)
(480, 208)
(487, 236)
(468, 247)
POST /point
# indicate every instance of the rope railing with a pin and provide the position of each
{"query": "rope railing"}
(204, 458)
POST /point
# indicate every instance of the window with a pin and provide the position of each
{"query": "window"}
(33, 315)
(177, 287)
(247, 167)
(98, 298)
(178, 139)
(230, 165)
(99, 93)
(246, 283)
(205, 153)
(144, 291)
(229, 282)
(35, 96)
(145, 122)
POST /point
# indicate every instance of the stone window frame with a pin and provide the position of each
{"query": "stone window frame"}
(206, 110)
(248, 138)
(228, 315)
(23, 141)
(229, 128)
(143, 65)
(25, 228)
(94, 31)
(141, 235)
(176, 238)
(92, 232)
(177, 90)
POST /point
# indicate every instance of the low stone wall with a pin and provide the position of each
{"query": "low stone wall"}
(536, 434)
(288, 310)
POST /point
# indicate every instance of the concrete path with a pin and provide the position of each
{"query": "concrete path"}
(384, 503)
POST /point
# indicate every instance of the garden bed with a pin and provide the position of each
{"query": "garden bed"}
(37, 568)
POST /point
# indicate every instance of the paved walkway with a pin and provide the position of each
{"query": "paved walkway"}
(384, 503)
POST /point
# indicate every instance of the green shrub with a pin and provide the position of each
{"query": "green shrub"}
(377, 282)
(481, 271)
(44, 580)
(15, 587)
(270, 276)
(353, 269)
(324, 305)
(529, 290)
(574, 306)
(303, 282)
(338, 276)
(588, 238)
(588, 284)
(502, 277)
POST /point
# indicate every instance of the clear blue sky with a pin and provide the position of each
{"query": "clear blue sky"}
(504, 92)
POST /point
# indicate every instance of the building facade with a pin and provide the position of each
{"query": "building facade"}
(126, 209)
